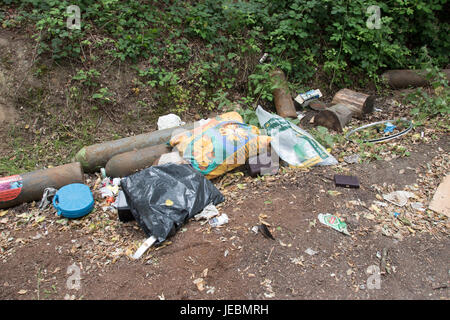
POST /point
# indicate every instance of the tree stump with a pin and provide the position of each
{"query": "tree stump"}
(335, 117)
(360, 104)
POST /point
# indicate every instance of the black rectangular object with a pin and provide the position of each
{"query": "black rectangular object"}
(123, 209)
(262, 164)
(346, 181)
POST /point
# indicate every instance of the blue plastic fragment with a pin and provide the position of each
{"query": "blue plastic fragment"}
(389, 127)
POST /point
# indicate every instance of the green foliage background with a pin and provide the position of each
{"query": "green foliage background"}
(214, 45)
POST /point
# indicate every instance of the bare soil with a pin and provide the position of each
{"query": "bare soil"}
(243, 265)
(232, 262)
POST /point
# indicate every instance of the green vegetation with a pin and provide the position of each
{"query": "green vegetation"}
(200, 56)
(213, 46)
(434, 103)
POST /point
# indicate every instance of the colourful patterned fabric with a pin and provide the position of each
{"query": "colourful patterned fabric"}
(220, 145)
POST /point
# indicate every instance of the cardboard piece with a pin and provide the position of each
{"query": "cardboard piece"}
(441, 199)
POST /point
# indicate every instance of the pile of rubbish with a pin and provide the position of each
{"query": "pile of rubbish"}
(164, 178)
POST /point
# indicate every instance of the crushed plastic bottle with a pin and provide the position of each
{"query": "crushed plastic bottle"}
(218, 221)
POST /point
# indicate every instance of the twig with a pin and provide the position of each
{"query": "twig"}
(267, 260)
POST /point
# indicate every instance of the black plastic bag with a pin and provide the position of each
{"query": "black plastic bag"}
(163, 198)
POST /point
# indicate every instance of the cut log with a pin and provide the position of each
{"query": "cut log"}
(282, 98)
(318, 105)
(335, 117)
(359, 103)
(400, 79)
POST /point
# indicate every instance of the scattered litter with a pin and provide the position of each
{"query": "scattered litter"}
(47, 197)
(346, 181)
(354, 158)
(310, 251)
(106, 192)
(333, 222)
(300, 115)
(210, 290)
(441, 201)
(265, 231)
(294, 145)
(144, 247)
(221, 145)
(399, 198)
(169, 121)
(123, 210)
(263, 58)
(188, 190)
(207, 213)
(406, 126)
(389, 127)
(418, 206)
(305, 98)
(73, 200)
(172, 157)
(218, 221)
(396, 214)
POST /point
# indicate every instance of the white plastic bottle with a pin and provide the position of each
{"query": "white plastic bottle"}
(218, 221)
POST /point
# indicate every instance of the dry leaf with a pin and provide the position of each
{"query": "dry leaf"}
(199, 282)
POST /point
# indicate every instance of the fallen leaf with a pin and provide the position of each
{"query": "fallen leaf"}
(199, 282)
(334, 193)
(23, 291)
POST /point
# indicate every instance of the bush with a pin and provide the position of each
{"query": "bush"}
(303, 37)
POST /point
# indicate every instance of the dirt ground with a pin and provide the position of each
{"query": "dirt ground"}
(42, 255)
(236, 263)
